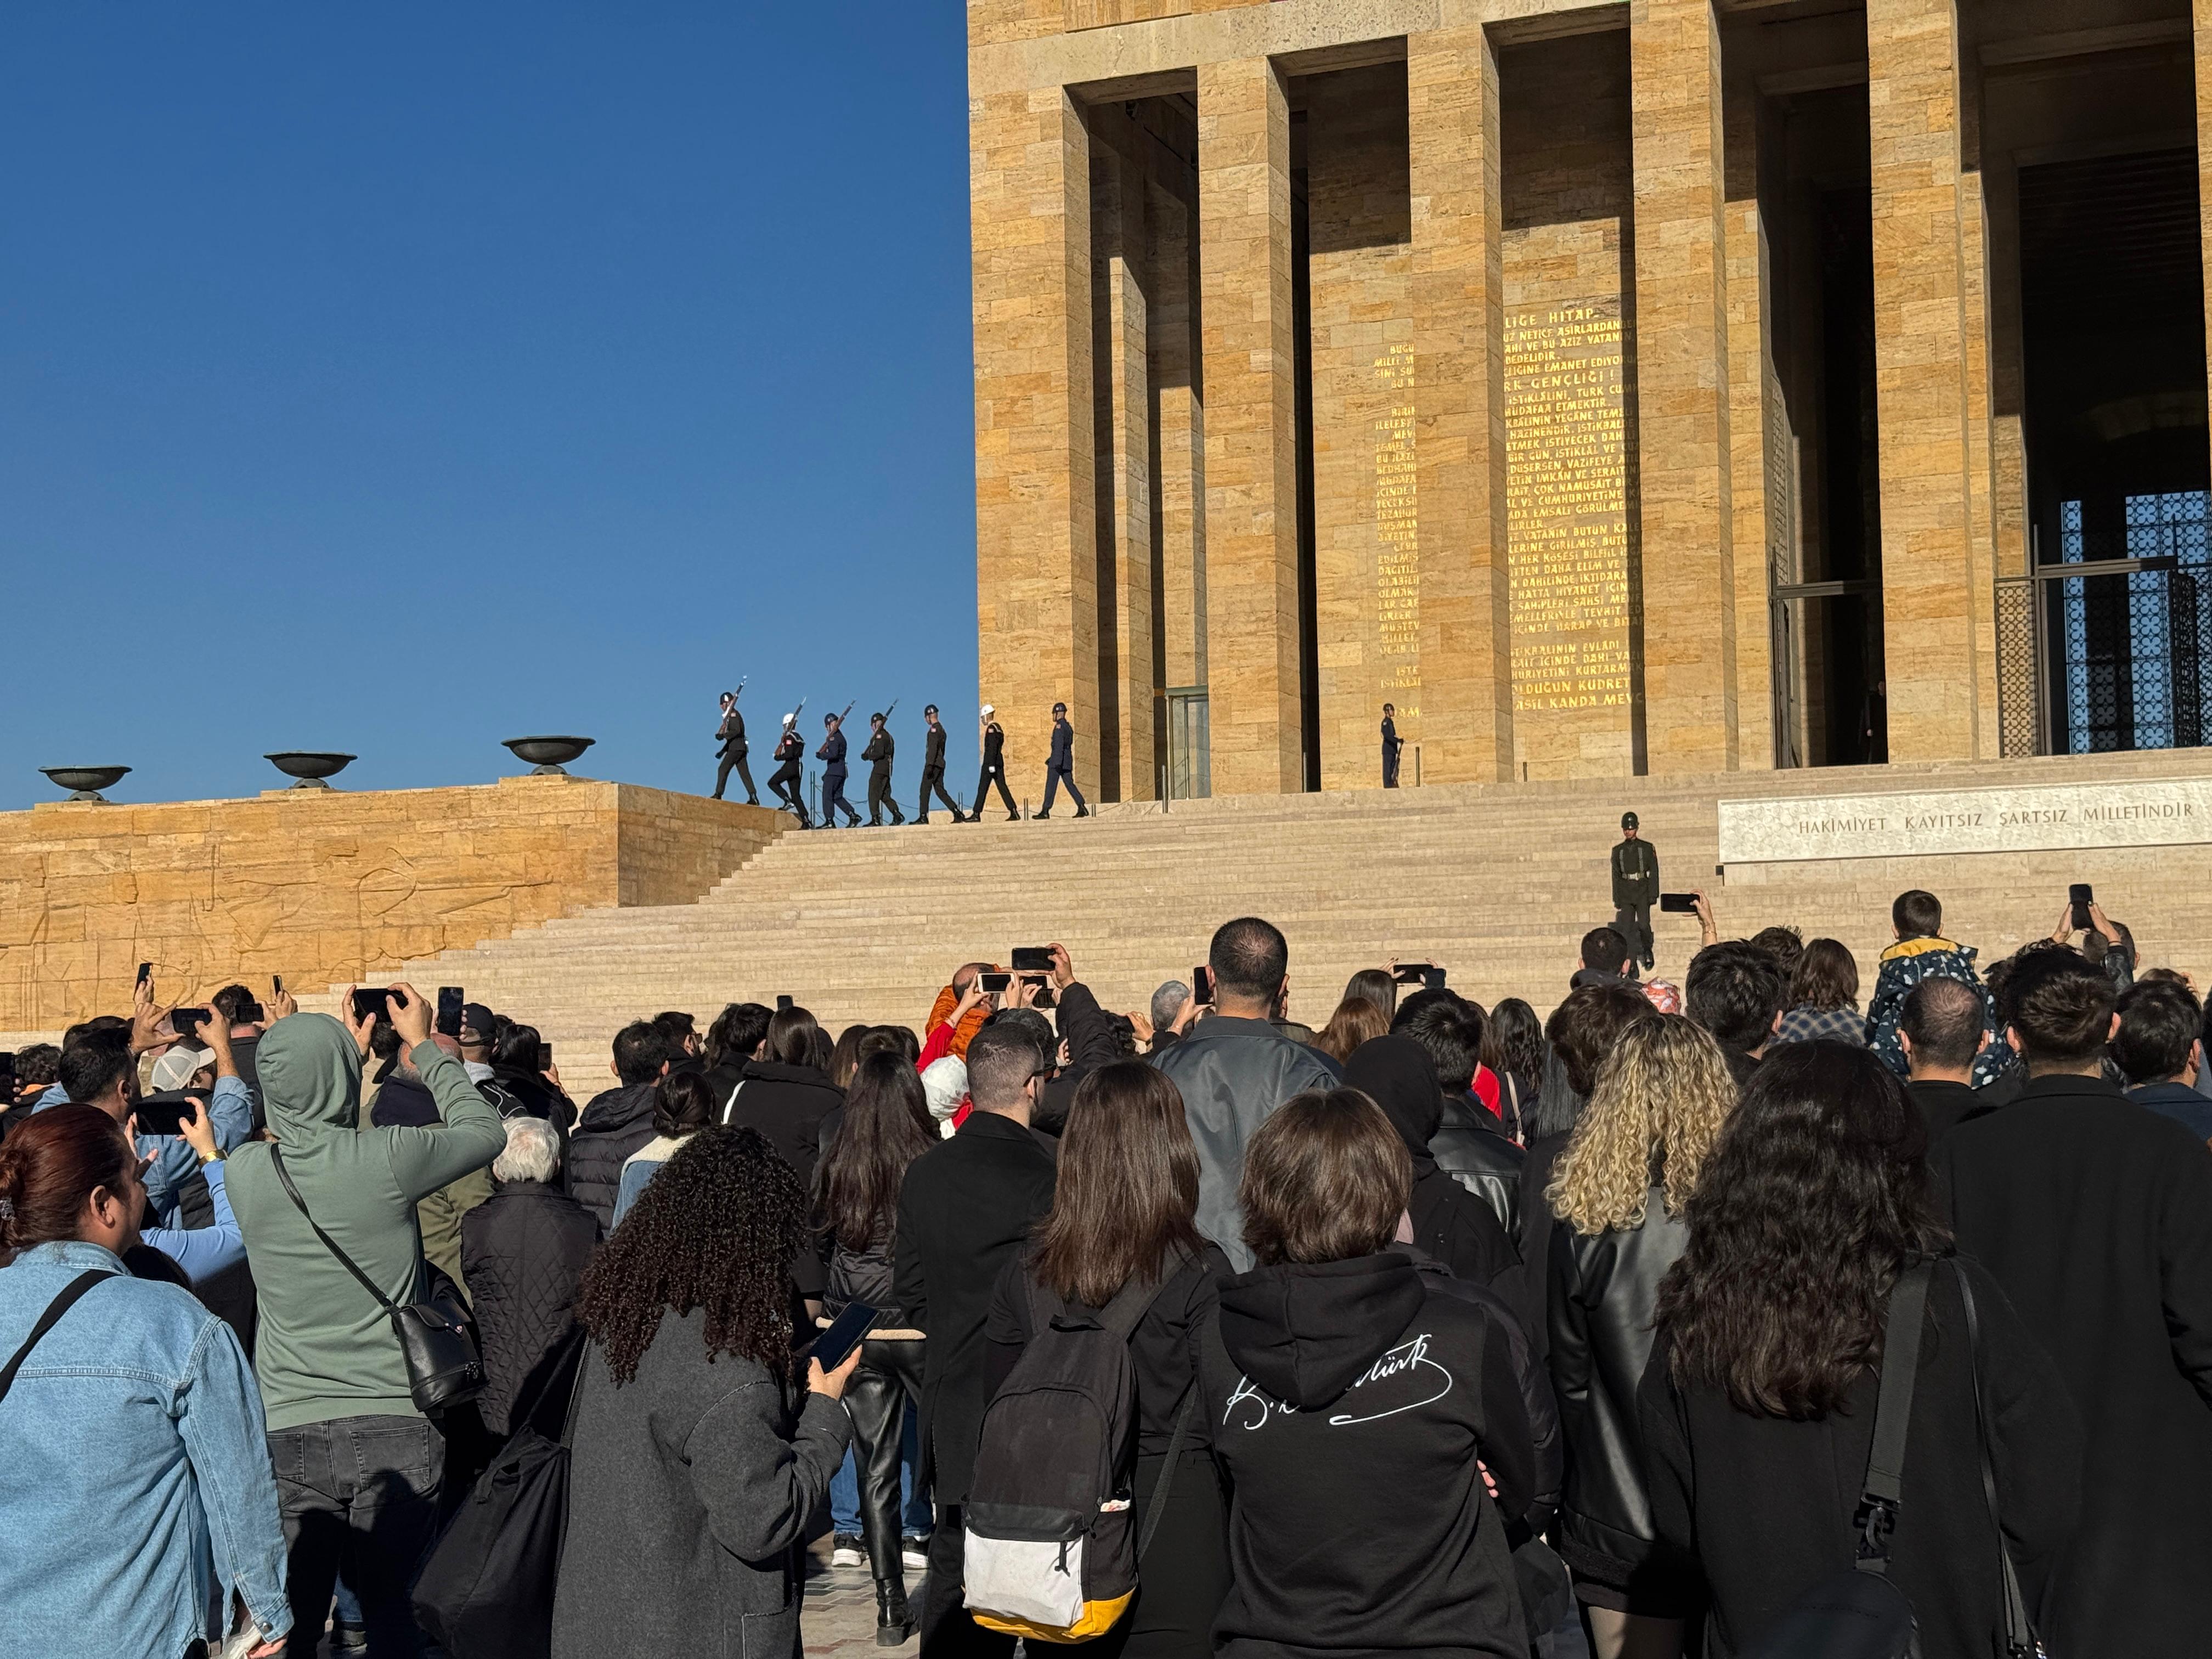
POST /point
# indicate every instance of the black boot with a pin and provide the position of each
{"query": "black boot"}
(1083, 811)
(894, 1618)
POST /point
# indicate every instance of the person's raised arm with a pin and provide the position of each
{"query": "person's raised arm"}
(760, 1490)
(470, 1134)
(230, 1105)
(219, 1420)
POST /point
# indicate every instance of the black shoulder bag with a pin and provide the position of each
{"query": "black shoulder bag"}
(2020, 1641)
(443, 1366)
(1861, 1613)
(52, 1317)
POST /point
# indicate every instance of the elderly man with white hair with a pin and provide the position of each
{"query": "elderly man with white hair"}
(522, 1251)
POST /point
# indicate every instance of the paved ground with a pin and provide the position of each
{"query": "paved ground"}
(840, 1616)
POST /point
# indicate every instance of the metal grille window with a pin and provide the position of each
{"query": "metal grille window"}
(2133, 638)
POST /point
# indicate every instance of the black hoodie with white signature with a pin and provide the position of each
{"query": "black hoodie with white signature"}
(1349, 1402)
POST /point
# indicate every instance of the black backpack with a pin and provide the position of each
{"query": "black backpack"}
(1052, 1547)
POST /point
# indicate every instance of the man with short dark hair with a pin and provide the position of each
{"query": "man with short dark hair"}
(932, 770)
(2159, 1049)
(1059, 765)
(2096, 1217)
(1604, 959)
(965, 1207)
(248, 1020)
(1940, 1030)
(617, 1121)
(1470, 1144)
(1235, 1068)
(1922, 952)
(1734, 991)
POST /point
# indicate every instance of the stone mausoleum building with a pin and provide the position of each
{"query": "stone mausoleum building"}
(1662, 387)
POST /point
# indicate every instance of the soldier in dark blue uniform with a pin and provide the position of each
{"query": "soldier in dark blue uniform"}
(1392, 743)
(1635, 886)
(877, 754)
(1059, 767)
(731, 734)
(831, 754)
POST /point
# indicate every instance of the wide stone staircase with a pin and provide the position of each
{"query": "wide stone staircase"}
(1496, 882)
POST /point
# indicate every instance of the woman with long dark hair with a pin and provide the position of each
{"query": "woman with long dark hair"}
(1516, 1043)
(1356, 1020)
(1824, 996)
(1620, 1190)
(1757, 1408)
(1122, 1213)
(699, 1453)
(886, 1126)
(515, 1069)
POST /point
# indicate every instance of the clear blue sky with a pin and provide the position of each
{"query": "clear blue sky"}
(398, 378)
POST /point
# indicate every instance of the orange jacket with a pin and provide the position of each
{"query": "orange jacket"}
(941, 1011)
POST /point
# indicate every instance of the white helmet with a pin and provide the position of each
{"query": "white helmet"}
(790, 718)
(989, 711)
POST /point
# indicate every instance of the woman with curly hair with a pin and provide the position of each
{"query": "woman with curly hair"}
(1757, 1409)
(696, 1455)
(1618, 1190)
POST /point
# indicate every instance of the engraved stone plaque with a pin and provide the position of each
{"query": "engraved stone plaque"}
(2147, 812)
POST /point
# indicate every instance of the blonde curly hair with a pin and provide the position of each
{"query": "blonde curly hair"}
(1656, 1111)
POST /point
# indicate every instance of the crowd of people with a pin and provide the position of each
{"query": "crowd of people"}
(1439, 1328)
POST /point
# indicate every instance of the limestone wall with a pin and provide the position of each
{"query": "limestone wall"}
(320, 886)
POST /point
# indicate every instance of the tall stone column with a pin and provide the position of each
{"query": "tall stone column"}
(1683, 460)
(1459, 399)
(1754, 423)
(1930, 597)
(1127, 448)
(1251, 473)
(1036, 557)
(1179, 436)
(2203, 33)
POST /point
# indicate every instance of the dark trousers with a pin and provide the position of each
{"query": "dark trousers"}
(947, 1632)
(889, 1375)
(992, 774)
(833, 798)
(879, 796)
(1633, 923)
(1056, 775)
(736, 763)
(1389, 766)
(932, 778)
(784, 786)
(1184, 1577)
(359, 1494)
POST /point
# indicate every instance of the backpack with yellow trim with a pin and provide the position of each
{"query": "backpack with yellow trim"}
(1052, 1547)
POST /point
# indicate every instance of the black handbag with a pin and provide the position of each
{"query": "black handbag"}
(487, 1590)
(443, 1365)
(1861, 1613)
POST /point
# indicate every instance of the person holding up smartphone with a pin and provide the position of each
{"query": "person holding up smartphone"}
(2107, 944)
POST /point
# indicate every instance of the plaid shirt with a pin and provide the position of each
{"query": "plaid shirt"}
(1804, 1024)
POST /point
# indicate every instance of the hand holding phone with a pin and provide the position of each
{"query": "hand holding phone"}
(995, 984)
(1032, 959)
(838, 1348)
(371, 1002)
(449, 1010)
(1679, 904)
(2079, 897)
(1202, 985)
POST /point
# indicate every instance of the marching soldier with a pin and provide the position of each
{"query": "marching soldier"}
(783, 784)
(731, 734)
(1635, 888)
(932, 771)
(994, 767)
(877, 754)
(1059, 766)
(831, 754)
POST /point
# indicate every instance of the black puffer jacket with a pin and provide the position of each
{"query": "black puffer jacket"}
(614, 1125)
(522, 1251)
(1480, 1159)
(1449, 1223)
(1604, 1289)
(787, 1104)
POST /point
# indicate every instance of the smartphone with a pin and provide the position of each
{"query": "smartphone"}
(251, 1014)
(782, 1003)
(2081, 898)
(1432, 978)
(1201, 987)
(186, 1021)
(164, 1113)
(276, 985)
(995, 984)
(544, 1056)
(145, 972)
(1680, 904)
(1032, 959)
(371, 1004)
(449, 1010)
(1410, 973)
(843, 1334)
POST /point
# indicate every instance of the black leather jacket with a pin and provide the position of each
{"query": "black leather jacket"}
(1603, 1289)
(1480, 1159)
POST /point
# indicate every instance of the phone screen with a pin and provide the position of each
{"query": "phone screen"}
(1201, 987)
(995, 984)
(276, 985)
(145, 972)
(1032, 959)
(1679, 903)
(449, 1010)
(187, 1021)
(782, 1003)
(164, 1113)
(842, 1334)
(1410, 973)
(2081, 898)
(544, 1056)
(371, 1004)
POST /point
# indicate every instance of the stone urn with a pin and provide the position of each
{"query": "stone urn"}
(546, 755)
(85, 782)
(310, 768)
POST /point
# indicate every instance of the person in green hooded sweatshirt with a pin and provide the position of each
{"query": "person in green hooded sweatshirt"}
(358, 1468)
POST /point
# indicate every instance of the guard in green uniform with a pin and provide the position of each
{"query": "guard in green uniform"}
(1635, 888)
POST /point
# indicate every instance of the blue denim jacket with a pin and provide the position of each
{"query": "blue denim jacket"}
(135, 1485)
(230, 1113)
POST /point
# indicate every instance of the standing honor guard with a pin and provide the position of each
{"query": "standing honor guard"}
(790, 749)
(878, 754)
(831, 754)
(932, 772)
(1392, 743)
(731, 734)
(1059, 766)
(994, 767)
(1635, 888)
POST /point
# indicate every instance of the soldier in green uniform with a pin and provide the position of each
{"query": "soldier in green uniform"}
(1635, 888)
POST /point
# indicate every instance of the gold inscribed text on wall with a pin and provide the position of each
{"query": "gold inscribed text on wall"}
(1397, 526)
(1567, 536)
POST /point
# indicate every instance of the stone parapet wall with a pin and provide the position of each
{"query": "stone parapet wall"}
(319, 886)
